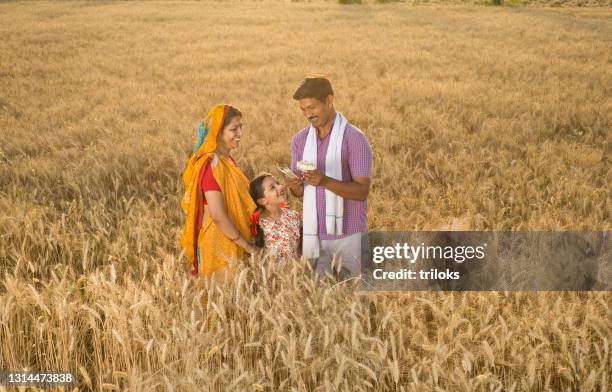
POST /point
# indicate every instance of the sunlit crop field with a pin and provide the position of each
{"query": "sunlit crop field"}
(483, 118)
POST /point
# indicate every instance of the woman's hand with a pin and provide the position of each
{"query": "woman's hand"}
(253, 249)
(247, 246)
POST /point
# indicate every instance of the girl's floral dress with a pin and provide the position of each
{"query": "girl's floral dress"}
(282, 237)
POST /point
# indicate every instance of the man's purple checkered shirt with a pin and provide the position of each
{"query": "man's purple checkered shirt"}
(356, 156)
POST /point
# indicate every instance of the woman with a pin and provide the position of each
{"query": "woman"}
(217, 200)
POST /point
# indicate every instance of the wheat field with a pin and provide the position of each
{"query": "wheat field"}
(495, 117)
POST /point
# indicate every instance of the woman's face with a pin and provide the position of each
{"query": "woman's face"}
(273, 193)
(229, 138)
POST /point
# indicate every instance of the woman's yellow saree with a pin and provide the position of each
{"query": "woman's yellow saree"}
(205, 246)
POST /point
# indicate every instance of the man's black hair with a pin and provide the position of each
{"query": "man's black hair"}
(314, 87)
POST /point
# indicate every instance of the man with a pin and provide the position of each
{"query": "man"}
(335, 194)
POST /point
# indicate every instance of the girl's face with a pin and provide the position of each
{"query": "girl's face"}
(273, 193)
(230, 136)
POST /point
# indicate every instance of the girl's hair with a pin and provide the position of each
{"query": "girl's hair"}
(257, 192)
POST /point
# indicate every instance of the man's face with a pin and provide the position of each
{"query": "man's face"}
(317, 112)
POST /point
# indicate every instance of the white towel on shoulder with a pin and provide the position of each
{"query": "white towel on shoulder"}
(334, 204)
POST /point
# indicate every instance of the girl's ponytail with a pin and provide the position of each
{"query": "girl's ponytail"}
(256, 191)
(256, 231)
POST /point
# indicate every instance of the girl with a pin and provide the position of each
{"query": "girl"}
(273, 226)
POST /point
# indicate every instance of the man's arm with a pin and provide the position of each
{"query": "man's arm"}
(357, 189)
(296, 185)
(360, 167)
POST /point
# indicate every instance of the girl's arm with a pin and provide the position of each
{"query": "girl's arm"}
(218, 214)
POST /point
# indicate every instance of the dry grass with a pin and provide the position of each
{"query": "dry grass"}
(498, 116)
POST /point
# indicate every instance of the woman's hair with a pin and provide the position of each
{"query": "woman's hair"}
(257, 192)
(231, 113)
